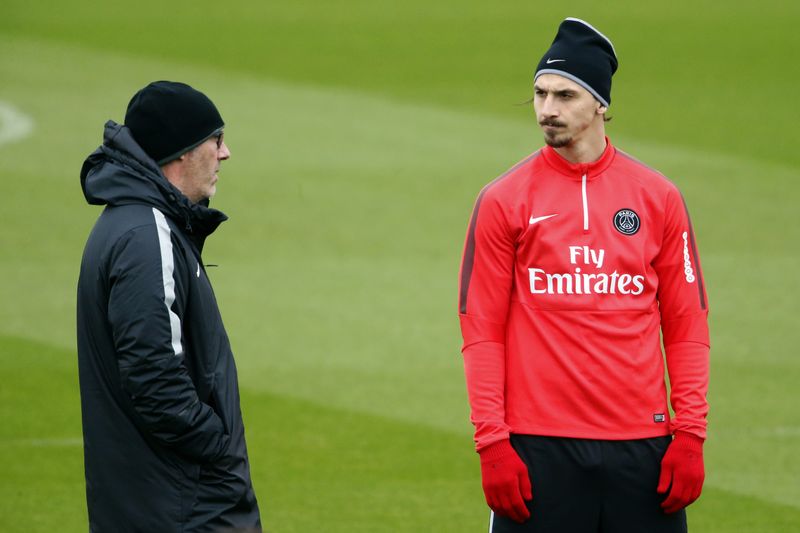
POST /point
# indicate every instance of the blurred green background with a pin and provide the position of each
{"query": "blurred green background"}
(361, 133)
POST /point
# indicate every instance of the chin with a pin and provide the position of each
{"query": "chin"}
(558, 142)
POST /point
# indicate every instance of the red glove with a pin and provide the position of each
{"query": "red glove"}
(506, 484)
(682, 472)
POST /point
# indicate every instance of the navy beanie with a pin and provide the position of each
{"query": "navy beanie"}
(169, 118)
(584, 55)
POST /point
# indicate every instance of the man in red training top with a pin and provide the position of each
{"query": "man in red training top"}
(575, 261)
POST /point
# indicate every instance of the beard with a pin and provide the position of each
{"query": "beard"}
(557, 142)
(556, 138)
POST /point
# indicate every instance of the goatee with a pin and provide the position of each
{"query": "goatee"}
(557, 142)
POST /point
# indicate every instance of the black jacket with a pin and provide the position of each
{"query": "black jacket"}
(164, 445)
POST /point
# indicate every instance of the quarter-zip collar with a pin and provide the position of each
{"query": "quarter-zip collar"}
(577, 171)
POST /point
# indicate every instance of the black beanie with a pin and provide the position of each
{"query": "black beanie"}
(584, 55)
(169, 118)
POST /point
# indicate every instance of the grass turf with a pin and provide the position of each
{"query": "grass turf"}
(361, 133)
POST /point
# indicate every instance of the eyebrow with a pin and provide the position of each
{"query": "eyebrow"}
(557, 92)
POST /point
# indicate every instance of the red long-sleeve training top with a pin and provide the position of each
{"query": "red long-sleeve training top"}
(569, 274)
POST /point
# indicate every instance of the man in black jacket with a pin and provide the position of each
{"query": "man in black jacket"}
(164, 445)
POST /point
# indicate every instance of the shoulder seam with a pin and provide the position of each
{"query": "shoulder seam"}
(642, 164)
(469, 249)
(508, 172)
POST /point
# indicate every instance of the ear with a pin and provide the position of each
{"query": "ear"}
(601, 109)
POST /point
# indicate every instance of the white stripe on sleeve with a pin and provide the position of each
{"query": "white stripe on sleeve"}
(167, 270)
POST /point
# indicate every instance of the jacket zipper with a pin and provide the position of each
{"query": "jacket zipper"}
(585, 204)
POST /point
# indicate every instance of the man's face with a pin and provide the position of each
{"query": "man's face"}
(201, 166)
(565, 110)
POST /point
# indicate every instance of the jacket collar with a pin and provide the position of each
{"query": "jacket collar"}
(578, 170)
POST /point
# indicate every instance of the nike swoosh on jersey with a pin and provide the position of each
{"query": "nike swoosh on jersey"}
(534, 220)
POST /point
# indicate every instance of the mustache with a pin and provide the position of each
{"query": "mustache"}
(554, 123)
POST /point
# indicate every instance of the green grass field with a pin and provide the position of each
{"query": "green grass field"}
(361, 133)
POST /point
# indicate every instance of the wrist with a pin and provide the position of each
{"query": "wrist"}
(687, 441)
(496, 450)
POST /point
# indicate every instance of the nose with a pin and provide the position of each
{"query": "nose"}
(223, 153)
(548, 107)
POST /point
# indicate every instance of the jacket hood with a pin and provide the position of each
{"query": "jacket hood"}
(119, 172)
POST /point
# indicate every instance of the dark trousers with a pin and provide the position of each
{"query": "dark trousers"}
(592, 486)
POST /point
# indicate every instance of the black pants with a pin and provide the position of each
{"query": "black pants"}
(592, 486)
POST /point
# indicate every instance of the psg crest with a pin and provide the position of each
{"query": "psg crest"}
(626, 221)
